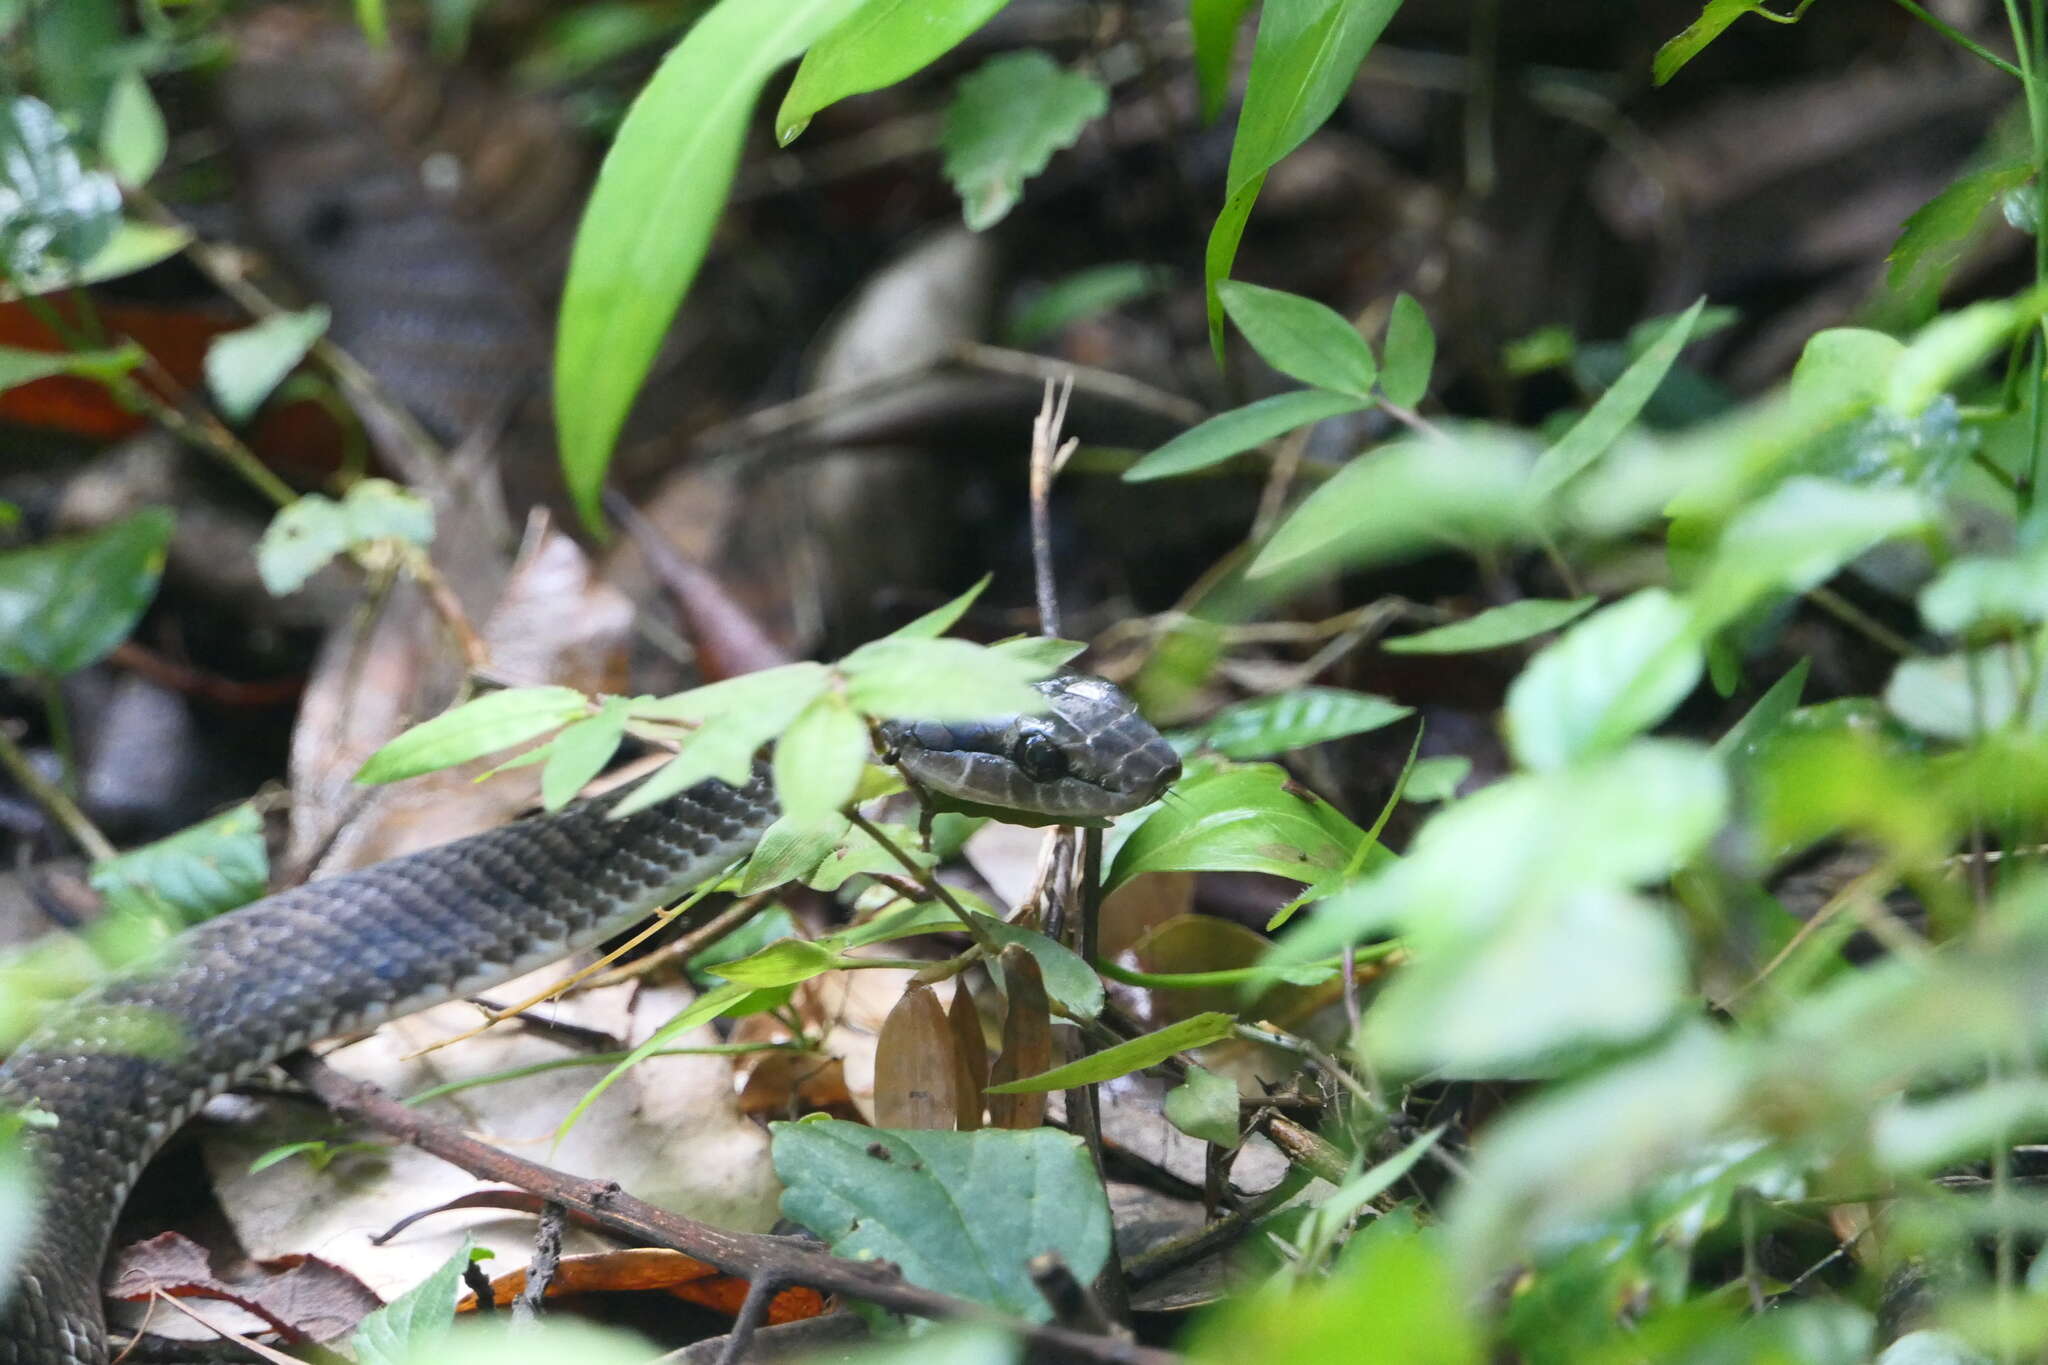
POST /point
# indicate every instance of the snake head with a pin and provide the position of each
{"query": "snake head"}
(1087, 757)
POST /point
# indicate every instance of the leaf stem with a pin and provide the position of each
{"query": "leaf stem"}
(53, 799)
(928, 880)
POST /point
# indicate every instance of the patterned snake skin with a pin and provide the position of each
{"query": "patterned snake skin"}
(124, 1064)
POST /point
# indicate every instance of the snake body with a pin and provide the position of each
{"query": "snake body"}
(115, 1071)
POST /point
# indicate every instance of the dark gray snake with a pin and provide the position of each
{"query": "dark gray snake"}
(115, 1071)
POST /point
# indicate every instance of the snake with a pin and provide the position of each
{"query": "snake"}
(107, 1077)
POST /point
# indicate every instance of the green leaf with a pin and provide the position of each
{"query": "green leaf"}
(66, 603)
(1241, 429)
(18, 367)
(1005, 122)
(1134, 1055)
(1215, 24)
(1604, 681)
(1851, 364)
(1931, 243)
(1798, 536)
(1068, 978)
(497, 720)
(1761, 721)
(1436, 779)
(780, 964)
(242, 368)
(939, 620)
(1600, 967)
(135, 246)
(1082, 294)
(313, 529)
(790, 850)
(1497, 626)
(819, 758)
(1405, 498)
(878, 45)
(1410, 352)
(1301, 338)
(1205, 1106)
(1980, 590)
(1232, 818)
(132, 136)
(1952, 345)
(1592, 435)
(54, 214)
(415, 1324)
(943, 680)
(371, 19)
(649, 219)
(951, 1344)
(580, 752)
(733, 719)
(1045, 653)
(961, 1213)
(1266, 727)
(1961, 696)
(1303, 61)
(192, 875)
(555, 1340)
(1713, 21)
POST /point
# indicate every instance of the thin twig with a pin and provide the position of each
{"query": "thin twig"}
(51, 798)
(1048, 456)
(929, 882)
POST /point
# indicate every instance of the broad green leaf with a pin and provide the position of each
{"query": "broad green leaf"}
(54, 214)
(1593, 434)
(1301, 338)
(1743, 739)
(414, 1326)
(1980, 590)
(819, 758)
(1796, 537)
(243, 368)
(18, 367)
(134, 247)
(962, 1213)
(1045, 653)
(1392, 1300)
(1080, 295)
(1410, 353)
(1215, 24)
(1961, 696)
(1241, 429)
(192, 875)
(856, 853)
(1952, 345)
(1931, 243)
(790, 850)
(1068, 979)
(497, 720)
(945, 680)
(1303, 61)
(314, 528)
(1266, 727)
(1436, 779)
(780, 964)
(734, 718)
(649, 219)
(1005, 122)
(939, 620)
(878, 45)
(66, 603)
(67, 50)
(1928, 1134)
(1133, 1055)
(1205, 1106)
(132, 136)
(1406, 498)
(1713, 21)
(1496, 626)
(1597, 968)
(1607, 679)
(1250, 818)
(1850, 363)
(580, 752)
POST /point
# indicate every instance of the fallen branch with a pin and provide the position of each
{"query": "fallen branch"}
(754, 1256)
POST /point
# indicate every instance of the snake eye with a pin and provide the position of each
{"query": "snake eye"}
(1040, 758)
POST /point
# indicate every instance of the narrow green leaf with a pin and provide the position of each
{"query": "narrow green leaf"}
(18, 367)
(733, 998)
(1045, 653)
(1081, 295)
(134, 246)
(1302, 338)
(790, 850)
(880, 44)
(946, 680)
(66, 603)
(780, 964)
(1592, 434)
(1005, 122)
(132, 135)
(580, 752)
(649, 219)
(1436, 779)
(1713, 21)
(492, 722)
(1215, 24)
(1932, 242)
(243, 368)
(1303, 61)
(1205, 1106)
(1410, 353)
(819, 758)
(939, 620)
(1135, 1055)
(1494, 627)
(1763, 719)
(1266, 727)
(1241, 429)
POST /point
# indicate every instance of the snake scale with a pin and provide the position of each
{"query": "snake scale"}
(115, 1071)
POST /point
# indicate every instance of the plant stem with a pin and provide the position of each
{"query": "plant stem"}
(929, 881)
(59, 716)
(51, 798)
(1961, 39)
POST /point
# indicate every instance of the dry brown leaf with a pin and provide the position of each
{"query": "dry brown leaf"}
(917, 1076)
(970, 1055)
(303, 1298)
(639, 1269)
(1027, 1042)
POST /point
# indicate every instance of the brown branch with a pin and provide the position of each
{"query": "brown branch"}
(750, 1255)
